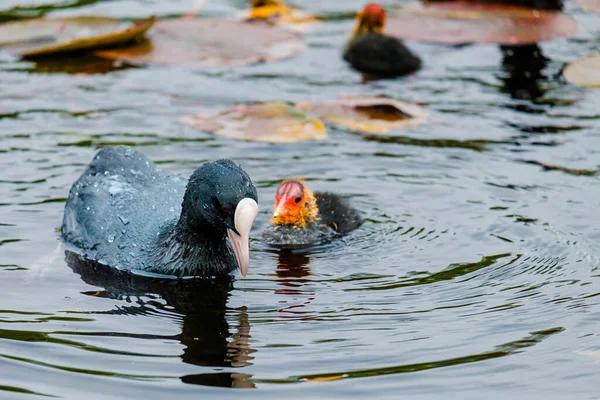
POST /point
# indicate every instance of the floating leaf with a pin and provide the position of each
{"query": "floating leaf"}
(209, 43)
(371, 115)
(584, 72)
(592, 6)
(55, 35)
(262, 122)
(460, 22)
(283, 15)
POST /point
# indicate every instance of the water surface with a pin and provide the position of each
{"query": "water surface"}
(476, 273)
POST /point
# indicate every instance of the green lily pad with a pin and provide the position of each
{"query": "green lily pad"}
(584, 72)
(208, 42)
(276, 122)
(367, 115)
(460, 22)
(39, 37)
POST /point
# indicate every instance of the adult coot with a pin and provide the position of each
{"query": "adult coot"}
(127, 213)
(301, 218)
(374, 54)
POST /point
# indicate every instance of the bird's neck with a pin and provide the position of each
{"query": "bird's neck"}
(364, 27)
(193, 250)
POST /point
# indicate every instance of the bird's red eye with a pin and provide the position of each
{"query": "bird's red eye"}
(225, 209)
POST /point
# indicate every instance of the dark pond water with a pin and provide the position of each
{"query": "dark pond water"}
(476, 274)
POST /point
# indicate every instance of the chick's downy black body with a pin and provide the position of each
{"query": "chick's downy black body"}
(126, 213)
(378, 55)
(336, 217)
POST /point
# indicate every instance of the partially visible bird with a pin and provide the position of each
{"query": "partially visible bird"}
(301, 218)
(375, 54)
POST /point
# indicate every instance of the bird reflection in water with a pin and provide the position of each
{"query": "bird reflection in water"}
(292, 270)
(523, 66)
(205, 331)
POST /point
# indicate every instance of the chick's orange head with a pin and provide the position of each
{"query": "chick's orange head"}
(372, 17)
(294, 204)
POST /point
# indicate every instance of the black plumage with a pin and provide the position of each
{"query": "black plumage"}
(126, 213)
(378, 55)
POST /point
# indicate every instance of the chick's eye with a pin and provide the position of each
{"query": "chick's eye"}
(297, 199)
(225, 209)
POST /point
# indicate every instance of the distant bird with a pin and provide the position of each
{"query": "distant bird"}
(276, 11)
(301, 218)
(374, 54)
(126, 213)
(269, 9)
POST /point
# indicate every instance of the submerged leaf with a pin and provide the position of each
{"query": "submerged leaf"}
(370, 115)
(459, 22)
(584, 72)
(262, 122)
(56, 35)
(210, 42)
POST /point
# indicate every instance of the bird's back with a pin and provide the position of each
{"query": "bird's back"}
(118, 206)
(381, 55)
(336, 213)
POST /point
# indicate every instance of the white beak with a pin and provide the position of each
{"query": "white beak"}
(245, 214)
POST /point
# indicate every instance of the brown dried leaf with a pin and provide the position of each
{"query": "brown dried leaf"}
(369, 115)
(210, 42)
(460, 22)
(261, 122)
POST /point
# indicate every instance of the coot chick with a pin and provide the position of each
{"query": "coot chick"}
(301, 218)
(126, 213)
(374, 54)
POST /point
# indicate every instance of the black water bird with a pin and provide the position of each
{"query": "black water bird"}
(126, 213)
(375, 54)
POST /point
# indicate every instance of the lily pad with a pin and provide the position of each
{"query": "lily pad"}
(460, 22)
(210, 42)
(56, 35)
(261, 122)
(592, 6)
(584, 72)
(369, 115)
